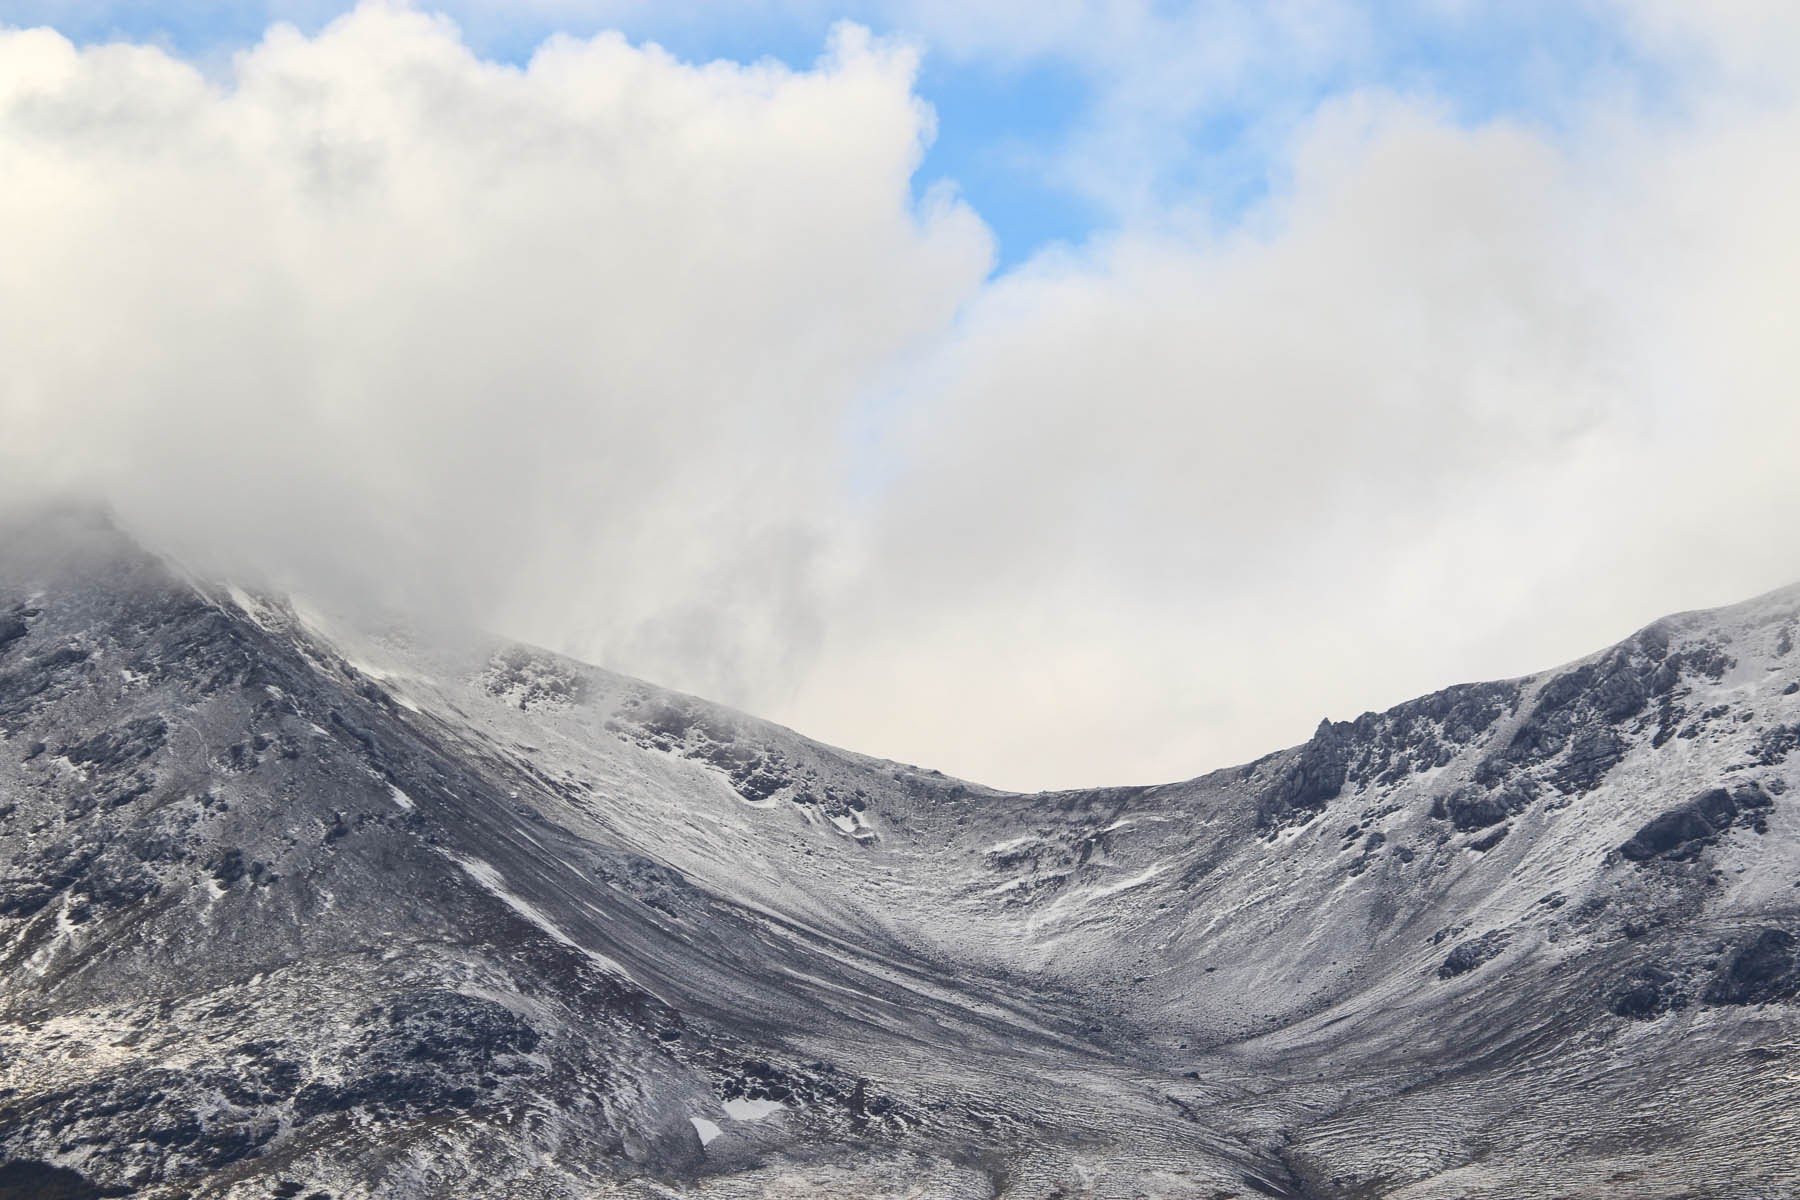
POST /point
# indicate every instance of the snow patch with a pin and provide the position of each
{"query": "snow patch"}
(706, 1129)
(1113, 889)
(401, 798)
(742, 1109)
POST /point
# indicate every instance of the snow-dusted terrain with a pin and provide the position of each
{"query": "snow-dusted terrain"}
(291, 908)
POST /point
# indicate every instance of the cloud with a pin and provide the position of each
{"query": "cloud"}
(1460, 404)
(663, 365)
(570, 343)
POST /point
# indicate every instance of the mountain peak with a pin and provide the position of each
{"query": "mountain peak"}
(305, 909)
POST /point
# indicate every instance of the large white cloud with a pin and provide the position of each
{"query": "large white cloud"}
(571, 343)
(1462, 404)
(662, 365)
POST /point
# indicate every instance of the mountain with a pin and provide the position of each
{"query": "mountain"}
(290, 908)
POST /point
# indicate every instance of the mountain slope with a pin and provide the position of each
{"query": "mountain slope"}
(289, 907)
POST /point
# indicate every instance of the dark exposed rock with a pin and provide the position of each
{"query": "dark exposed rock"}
(29, 1180)
(1488, 841)
(260, 1076)
(1375, 841)
(1466, 956)
(426, 1052)
(816, 1085)
(118, 748)
(1752, 796)
(1592, 753)
(105, 877)
(497, 1040)
(1649, 991)
(355, 733)
(1422, 734)
(1773, 747)
(11, 630)
(1680, 834)
(531, 680)
(157, 1115)
(1314, 778)
(756, 771)
(1472, 807)
(123, 791)
(62, 657)
(1580, 711)
(230, 868)
(35, 882)
(40, 680)
(114, 883)
(1477, 811)
(1762, 969)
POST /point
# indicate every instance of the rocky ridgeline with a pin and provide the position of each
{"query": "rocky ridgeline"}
(1383, 749)
(521, 677)
(1578, 726)
(757, 771)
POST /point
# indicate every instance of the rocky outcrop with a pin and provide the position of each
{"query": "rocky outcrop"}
(1314, 777)
(1681, 833)
(1466, 956)
(1578, 717)
(1763, 968)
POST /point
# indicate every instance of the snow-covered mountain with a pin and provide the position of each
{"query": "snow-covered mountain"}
(294, 909)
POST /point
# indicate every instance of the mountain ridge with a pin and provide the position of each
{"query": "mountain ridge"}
(291, 904)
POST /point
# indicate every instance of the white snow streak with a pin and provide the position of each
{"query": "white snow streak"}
(491, 880)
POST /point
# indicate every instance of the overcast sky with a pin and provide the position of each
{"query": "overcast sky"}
(1057, 394)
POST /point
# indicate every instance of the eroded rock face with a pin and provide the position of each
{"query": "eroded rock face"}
(1763, 968)
(756, 771)
(1466, 956)
(430, 1052)
(518, 676)
(116, 749)
(1647, 992)
(1682, 833)
(1578, 715)
(1316, 776)
(1473, 807)
(1383, 749)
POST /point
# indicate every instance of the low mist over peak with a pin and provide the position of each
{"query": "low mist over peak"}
(298, 907)
(693, 364)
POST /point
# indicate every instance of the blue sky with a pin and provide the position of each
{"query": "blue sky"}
(1018, 118)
